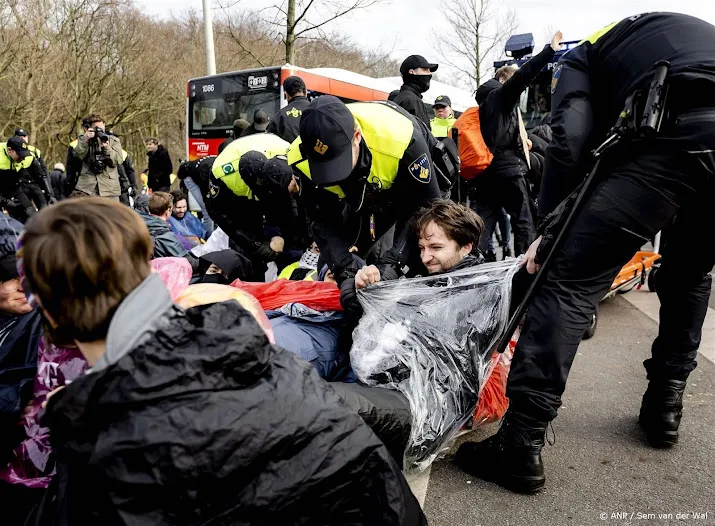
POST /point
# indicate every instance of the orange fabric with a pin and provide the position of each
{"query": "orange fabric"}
(474, 155)
(493, 402)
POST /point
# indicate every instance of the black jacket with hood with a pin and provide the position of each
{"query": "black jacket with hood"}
(193, 417)
(498, 115)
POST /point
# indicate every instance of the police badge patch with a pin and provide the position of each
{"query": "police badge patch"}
(227, 169)
(420, 169)
(555, 77)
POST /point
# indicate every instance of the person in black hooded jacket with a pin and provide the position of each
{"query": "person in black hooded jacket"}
(188, 416)
(416, 76)
(503, 184)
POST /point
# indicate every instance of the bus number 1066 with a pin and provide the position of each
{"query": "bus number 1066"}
(207, 88)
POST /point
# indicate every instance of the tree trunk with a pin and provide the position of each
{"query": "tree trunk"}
(290, 33)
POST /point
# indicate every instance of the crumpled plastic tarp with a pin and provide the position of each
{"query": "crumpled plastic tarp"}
(432, 338)
(174, 272)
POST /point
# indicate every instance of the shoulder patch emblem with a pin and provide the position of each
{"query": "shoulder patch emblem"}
(228, 169)
(420, 169)
(555, 78)
(213, 189)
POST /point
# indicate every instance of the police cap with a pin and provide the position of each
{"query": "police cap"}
(326, 131)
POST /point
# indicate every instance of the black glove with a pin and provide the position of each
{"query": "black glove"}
(9, 204)
(264, 252)
(349, 299)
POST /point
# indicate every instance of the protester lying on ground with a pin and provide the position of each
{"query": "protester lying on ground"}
(319, 337)
(226, 266)
(448, 235)
(155, 211)
(276, 444)
(183, 222)
(431, 338)
(304, 269)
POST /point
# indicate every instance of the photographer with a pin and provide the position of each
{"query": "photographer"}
(101, 154)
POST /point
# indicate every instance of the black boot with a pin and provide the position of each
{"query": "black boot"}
(661, 411)
(511, 458)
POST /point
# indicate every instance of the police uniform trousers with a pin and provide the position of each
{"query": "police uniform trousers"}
(664, 184)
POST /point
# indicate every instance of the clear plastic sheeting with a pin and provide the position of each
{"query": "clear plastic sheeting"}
(432, 339)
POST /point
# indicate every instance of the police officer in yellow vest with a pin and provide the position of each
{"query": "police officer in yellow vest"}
(36, 152)
(14, 157)
(443, 118)
(34, 180)
(235, 197)
(364, 168)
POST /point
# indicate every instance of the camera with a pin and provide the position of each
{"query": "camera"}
(99, 134)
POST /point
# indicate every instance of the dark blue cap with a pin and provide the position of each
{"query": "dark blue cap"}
(442, 100)
(326, 132)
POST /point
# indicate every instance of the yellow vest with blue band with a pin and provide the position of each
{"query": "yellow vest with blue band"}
(387, 134)
(440, 127)
(225, 166)
(6, 162)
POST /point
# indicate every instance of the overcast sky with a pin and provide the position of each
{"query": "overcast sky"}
(407, 24)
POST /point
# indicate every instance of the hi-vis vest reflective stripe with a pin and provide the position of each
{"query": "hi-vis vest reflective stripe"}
(287, 272)
(225, 166)
(387, 134)
(6, 162)
(35, 151)
(440, 127)
(598, 34)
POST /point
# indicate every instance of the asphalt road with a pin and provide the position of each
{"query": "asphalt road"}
(600, 463)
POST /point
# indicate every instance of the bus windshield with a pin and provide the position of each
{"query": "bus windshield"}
(536, 108)
(215, 102)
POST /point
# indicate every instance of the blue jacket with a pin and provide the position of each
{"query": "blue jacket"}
(188, 226)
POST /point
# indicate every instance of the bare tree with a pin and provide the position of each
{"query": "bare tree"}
(303, 17)
(477, 29)
(288, 23)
